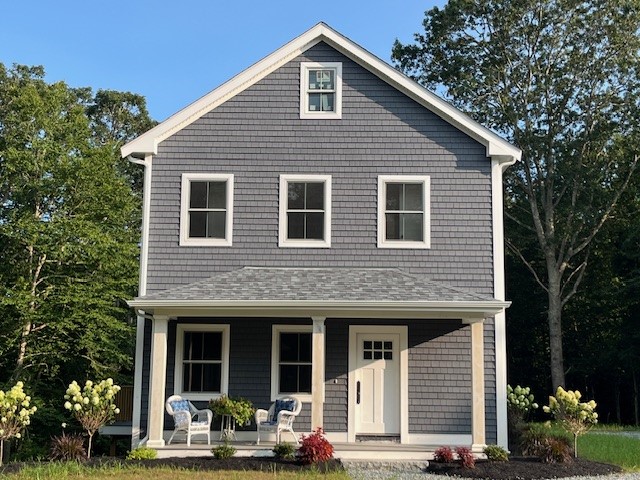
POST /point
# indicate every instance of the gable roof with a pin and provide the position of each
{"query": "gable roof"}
(321, 289)
(147, 143)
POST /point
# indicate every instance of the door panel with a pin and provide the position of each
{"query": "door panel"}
(378, 371)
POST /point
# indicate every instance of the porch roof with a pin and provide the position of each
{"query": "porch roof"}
(319, 291)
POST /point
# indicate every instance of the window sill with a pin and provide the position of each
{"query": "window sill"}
(405, 245)
(199, 396)
(205, 242)
(304, 244)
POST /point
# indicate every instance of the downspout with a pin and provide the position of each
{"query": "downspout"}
(142, 289)
(498, 166)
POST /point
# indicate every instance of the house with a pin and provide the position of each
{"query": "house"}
(322, 225)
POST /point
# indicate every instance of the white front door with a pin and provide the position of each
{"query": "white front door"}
(377, 384)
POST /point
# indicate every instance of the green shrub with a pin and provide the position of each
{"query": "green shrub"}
(223, 451)
(284, 450)
(539, 441)
(68, 447)
(495, 453)
(142, 453)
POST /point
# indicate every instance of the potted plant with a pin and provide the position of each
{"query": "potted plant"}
(239, 409)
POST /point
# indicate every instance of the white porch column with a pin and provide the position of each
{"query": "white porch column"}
(317, 372)
(157, 380)
(477, 382)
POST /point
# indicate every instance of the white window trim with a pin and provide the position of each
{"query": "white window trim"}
(276, 330)
(185, 240)
(224, 378)
(382, 227)
(283, 241)
(304, 82)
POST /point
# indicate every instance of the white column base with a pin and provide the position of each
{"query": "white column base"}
(155, 443)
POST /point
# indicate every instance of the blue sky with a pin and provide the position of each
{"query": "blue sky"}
(175, 52)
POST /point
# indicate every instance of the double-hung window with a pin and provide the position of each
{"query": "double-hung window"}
(202, 360)
(321, 90)
(403, 211)
(305, 211)
(207, 209)
(291, 360)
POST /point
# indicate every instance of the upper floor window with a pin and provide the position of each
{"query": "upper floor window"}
(207, 209)
(305, 211)
(403, 211)
(321, 90)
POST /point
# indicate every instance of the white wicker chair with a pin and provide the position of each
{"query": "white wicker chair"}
(189, 419)
(279, 418)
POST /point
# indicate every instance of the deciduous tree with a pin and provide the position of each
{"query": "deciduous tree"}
(560, 79)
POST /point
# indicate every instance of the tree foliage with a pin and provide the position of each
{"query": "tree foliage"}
(560, 79)
(69, 231)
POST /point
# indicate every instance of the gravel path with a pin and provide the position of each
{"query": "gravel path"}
(413, 471)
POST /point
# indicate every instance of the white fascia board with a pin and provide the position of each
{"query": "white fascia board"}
(497, 148)
(480, 308)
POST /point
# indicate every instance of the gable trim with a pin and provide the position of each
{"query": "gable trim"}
(497, 148)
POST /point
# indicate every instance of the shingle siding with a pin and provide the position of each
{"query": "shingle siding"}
(258, 135)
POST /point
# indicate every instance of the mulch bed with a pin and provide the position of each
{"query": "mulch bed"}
(524, 468)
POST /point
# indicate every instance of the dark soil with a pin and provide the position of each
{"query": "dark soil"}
(524, 468)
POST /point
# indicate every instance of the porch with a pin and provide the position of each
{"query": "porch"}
(361, 451)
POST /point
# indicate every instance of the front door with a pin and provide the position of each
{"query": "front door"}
(377, 384)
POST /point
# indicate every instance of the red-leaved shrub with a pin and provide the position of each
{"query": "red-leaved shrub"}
(315, 448)
(443, 454)
(466, 457)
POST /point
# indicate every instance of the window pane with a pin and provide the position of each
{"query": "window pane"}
(192, 346)
(327, 101)
(216, 224)
(367, 344)
(392, 221)
(326, 79)
(199, 377)
(304, 354)
(295, 196)
(288, 378)
(304, 378)
(198, 224)
(314, 102)
(412, 226)
(315, 196)
(394, 195)
(212, 346)
(377, 345)
(313, 79)
(198, 196)
(289, 347)
(217, 195)
(388, 356)
(367, 355)
(388, 345)
(377, 355)
(413, 196)
(315, 226)
(295, 225)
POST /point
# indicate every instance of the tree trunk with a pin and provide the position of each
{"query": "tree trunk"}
(554, 316)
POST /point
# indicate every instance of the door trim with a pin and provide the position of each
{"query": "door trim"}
(401, 330)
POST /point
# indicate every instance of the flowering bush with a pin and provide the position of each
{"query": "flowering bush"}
(93, 405)
(575, 417)
(443, 454)
(15, 414)
(520, 399)
(465, 457)
(315, 448)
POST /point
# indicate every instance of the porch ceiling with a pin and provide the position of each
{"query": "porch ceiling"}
(329, 292)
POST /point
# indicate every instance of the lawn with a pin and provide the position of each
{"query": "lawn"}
(618, 449)
(78, 472)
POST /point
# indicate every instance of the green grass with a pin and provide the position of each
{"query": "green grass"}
(75, 471)
(616, 449)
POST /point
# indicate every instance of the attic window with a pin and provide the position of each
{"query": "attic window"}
(321, 90)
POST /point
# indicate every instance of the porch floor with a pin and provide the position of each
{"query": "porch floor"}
(360, 451)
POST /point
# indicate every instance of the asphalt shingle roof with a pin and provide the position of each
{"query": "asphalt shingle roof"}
(318, 284)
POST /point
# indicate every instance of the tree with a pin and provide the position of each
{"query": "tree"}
(559, 78)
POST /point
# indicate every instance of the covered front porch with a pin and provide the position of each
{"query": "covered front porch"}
(367, 328)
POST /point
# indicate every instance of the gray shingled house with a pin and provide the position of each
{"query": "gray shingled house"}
(321, 225)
